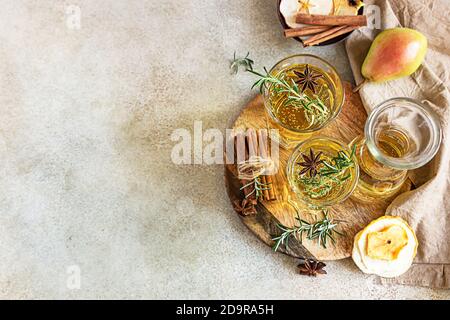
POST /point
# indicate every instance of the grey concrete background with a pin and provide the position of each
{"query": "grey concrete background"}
(85, 173)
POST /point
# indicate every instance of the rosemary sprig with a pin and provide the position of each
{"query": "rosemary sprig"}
(318, 186)
(295, 97)
(339, 163)
(258, 188)
(322, 230)
(314, 108)
(329, 176)
(246, 62)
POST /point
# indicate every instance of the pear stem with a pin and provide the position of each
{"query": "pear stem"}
(359, 86)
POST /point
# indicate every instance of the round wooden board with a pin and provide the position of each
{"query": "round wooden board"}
(356, 215)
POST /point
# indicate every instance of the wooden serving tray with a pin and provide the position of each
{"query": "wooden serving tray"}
(356, 215)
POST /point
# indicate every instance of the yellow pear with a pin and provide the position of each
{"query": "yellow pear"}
(395, 53)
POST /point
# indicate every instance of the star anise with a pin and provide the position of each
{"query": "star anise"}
(311, 268)
(305, 5)
(307, 79)
(245, 207)
(310, 163)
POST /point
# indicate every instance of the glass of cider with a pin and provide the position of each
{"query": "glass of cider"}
(400, 134)
(322, 171)
(320, 89)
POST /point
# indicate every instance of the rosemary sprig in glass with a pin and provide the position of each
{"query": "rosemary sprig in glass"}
(315, 109)
(322, 230)
(329, 176)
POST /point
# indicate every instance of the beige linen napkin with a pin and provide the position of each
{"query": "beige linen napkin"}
(427, 208)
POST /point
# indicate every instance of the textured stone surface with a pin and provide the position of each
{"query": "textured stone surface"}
(86, 177)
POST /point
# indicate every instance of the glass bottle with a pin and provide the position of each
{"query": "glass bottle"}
(400, 134)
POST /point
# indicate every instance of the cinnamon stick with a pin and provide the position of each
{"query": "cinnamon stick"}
(330, 36)
(252, 142)
(252, 139)
(264, 152)
(322, 34)
(327, 20)
(263, 178)
(248, 191)
(305, 31)
(239, 147)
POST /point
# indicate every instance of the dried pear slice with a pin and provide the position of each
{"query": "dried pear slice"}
(387, 243)
(344, 8)
(357, 257)
(290, 8)
(379, 267)
(321, 7)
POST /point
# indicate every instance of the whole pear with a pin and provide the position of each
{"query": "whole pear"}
(394, 53)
